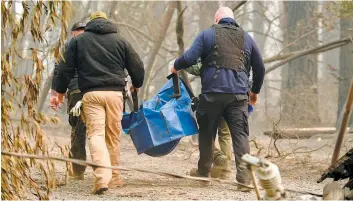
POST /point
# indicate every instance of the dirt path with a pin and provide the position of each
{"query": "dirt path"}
(298, 172)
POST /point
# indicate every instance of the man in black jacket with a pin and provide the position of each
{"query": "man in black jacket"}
(100, 56)
(78, 129)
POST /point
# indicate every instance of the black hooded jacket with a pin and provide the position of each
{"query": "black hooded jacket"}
(100, 56)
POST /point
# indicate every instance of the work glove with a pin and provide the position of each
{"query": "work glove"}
(76, 111)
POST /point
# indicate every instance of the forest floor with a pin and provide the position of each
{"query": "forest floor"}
(299, 171)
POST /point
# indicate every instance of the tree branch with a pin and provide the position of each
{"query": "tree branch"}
(264, 34)
(158, 44)
(284, 56)
(336, 44)
(174, 52)
(179, 30)
(238, 5)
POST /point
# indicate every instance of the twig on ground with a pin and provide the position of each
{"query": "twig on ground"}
(193, 151)
(257, 146)
(295, 151)
(275, 145)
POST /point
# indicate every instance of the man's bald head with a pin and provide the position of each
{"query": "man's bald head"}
(223, 12)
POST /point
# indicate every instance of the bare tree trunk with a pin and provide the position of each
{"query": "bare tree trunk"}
(180, 33)
(345, 69)
(150, 63)
(301, 82)
(45, 91)
(207, 11)
(258, 26)
(112, 9)
(328, 90)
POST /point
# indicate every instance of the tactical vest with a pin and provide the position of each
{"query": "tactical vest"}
(228, 49)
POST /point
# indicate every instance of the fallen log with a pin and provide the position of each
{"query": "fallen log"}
(302, 132)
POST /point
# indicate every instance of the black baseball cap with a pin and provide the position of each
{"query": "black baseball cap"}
(78, 25)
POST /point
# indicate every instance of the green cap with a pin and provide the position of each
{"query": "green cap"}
(98, 14)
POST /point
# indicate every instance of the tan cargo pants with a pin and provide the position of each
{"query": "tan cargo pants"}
(225, 139)
(103, 112)
(225, 147)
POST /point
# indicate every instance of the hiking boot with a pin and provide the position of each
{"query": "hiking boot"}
(243, 188)
(116, 183)
(226, 175)
(221, 173)
(222, 167)
(76, 176)
(99, 189)
(195, 173)
(220, 159)
(216, 172)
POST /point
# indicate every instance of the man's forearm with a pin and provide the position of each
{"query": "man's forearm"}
(258, 79)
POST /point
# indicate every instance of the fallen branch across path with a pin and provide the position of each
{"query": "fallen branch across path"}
(93, 165)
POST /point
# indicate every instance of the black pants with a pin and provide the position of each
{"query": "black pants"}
(234, 109)
(78, 135)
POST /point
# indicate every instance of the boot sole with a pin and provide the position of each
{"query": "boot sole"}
(217, 171)
(77, 177)
(101, 191)
(115, 186)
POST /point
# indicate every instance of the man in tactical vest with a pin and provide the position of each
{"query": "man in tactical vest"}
(226, 52)
(78, 129)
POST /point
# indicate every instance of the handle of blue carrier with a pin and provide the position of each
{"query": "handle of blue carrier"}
(135, 100)
(176, 84)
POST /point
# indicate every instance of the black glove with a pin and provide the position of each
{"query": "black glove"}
(194, 103)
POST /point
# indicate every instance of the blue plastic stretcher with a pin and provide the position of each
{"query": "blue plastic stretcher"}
(157, 126)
